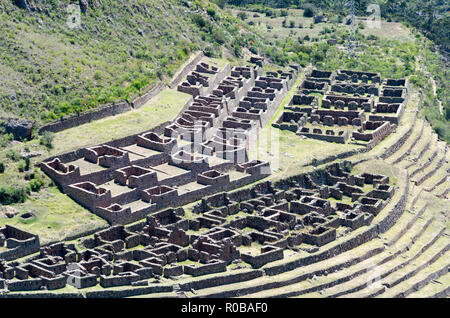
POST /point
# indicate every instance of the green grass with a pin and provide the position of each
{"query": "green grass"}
(389, 30)
(164, 107)
(56, 216)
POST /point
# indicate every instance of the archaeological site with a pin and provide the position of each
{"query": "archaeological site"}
(256, 176)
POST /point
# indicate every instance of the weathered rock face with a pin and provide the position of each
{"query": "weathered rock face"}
(23, 4)
(21, 129)
(84, 5)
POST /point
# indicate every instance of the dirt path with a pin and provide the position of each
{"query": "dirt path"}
(433, 82)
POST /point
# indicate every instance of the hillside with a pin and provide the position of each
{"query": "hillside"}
(120, 49)
(430, 16)
(283, 153)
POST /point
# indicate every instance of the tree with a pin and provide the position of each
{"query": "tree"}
(309, 11)
(242, 16)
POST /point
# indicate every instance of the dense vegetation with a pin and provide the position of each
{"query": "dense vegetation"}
(121, 48)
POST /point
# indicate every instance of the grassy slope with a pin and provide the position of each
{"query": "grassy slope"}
(165, 106)
(56, 216)
(121, 48)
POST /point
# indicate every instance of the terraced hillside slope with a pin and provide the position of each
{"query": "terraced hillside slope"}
(372, 225)
(243, 178)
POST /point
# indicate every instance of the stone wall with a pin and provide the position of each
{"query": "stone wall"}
(205, 269)
(186, 70)
(140, 101)
(83, 118)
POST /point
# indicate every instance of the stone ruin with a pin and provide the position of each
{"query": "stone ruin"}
(201, 152)
(15, 243)
(253, 226)
(352, 106)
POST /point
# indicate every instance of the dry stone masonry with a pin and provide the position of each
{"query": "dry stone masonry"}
(188, 209)
(346, 106)
(253, 226)
(201, 152)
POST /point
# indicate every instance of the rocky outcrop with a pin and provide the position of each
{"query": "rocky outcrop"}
(24, 4)
(20, 128)
(84, 5)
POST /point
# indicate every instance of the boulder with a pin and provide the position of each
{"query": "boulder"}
(20, 128)
(23, 4)
(83, 5)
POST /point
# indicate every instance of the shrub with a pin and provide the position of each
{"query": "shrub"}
(5, 139)
(27, 164)
(254, 50)
(309, 12)
(237, 50)
(211, 12)
(35, 185)
(98, 75)
(242, 16)
(2, 167)
(268, 12)
(21, 166)
(219, 36)
(47, 140)
(291, 24)
(13, 155)
(11, 195)
(199, 20)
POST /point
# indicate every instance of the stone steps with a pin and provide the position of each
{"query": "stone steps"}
(424, 162)
(408, 226)
(409, 144)
(290, 277)
(426, 151)
(341, 286)
(419, 147)
(390, 273)
(437, 163)
(434, 182)
(408, 122)
(440, 177)
(370, 274)
(405, 242)
(407, 220)
(437, 268)
(366, 293)
(413, 235)
(435, 288)
(414, 196)
(441, 246)
(443, 186)
(444, 194)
